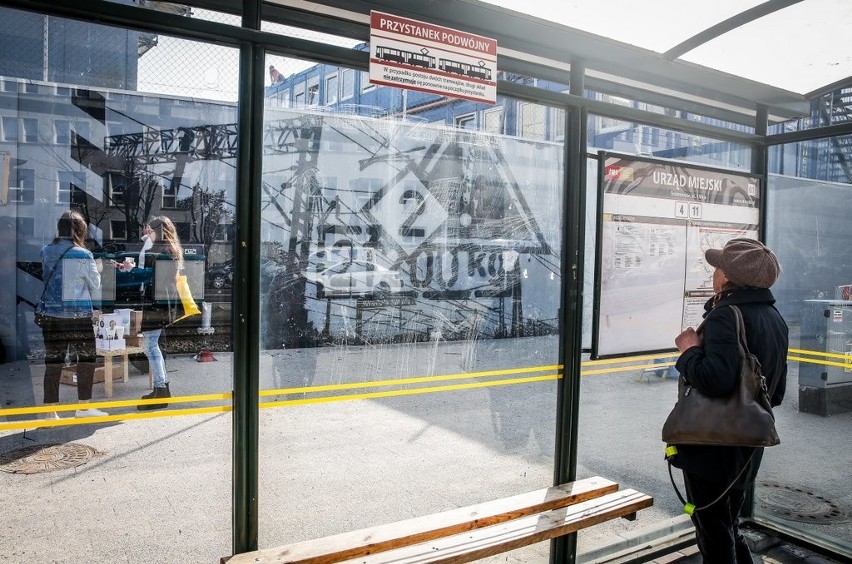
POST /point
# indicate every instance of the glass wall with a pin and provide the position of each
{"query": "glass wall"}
(115, 200)
(411, 290)
(410, 302)
(803, 487)
(624, 401)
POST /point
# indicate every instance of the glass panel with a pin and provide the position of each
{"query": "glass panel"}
(610, 134)
(830, 109)
(87, 173)
(679, 20)
(809, 229)
(805, 60)
(411, 276)
(781, 48)
(626, 448)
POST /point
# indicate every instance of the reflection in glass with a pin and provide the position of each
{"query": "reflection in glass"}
(411, 254)
(81, 137)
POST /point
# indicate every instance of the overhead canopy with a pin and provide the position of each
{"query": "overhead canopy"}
(727, 56)
(797, 45)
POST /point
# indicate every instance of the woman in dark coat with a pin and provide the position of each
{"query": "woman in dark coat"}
(710, 362)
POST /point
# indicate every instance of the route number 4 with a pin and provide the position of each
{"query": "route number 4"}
(687, 210)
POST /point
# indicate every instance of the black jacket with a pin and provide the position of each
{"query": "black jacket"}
(160, 304)
(714, 367)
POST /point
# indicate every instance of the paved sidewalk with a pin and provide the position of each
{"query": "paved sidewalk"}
(159, 489)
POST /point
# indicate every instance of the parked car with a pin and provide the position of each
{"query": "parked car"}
(134, 285)
(355, 278)
(221, 275)
(322, 259)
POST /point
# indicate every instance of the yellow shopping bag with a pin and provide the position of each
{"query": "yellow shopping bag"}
(190, 308)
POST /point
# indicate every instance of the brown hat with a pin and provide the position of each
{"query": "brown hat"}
(746, 262)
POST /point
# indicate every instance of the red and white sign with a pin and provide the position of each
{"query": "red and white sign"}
(429, 58)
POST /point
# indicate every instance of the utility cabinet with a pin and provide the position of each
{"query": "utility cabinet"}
(826, 327)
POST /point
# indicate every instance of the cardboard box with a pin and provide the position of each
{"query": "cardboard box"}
(124, 319)
(135, 322)
(133, 340)
(69, 375)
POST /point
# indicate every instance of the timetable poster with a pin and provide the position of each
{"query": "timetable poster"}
(656, 220)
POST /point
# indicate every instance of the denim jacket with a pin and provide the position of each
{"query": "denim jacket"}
(70, 287)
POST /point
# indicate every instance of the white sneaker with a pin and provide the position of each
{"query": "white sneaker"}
(92, 412)
(50, 416)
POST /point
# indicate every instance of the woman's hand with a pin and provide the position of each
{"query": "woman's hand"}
(687, 339)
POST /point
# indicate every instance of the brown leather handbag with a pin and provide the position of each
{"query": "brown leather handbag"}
(744, 418)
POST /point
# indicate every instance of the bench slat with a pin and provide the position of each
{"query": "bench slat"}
(481, 543)
(421, 529)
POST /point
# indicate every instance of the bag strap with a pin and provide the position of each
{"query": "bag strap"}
(53, 271)
(738, 317)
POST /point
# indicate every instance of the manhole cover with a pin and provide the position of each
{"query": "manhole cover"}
(46, 458)
(797, 504)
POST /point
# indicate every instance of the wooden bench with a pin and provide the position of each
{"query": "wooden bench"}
(468, 533)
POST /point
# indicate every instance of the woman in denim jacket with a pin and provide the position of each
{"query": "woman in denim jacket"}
(72, 277)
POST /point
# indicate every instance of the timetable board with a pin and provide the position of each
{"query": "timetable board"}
(656, 218)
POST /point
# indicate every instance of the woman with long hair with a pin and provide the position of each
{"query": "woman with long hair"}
(159, 231)
(64, 313)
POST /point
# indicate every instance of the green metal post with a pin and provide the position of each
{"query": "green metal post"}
(759, 166)
(563, 549)
(246, 298)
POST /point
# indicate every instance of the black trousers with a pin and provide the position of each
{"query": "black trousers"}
(717, 527)
(74, 336)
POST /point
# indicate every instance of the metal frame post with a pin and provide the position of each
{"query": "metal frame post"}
(246, 299)
(563, 549)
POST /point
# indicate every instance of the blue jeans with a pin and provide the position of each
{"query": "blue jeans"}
(150, 344)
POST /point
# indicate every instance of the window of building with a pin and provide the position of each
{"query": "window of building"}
(63, 91)
(10, 129)
(116, 128)
(184, 230)
(170, 196)
(558, 120)
(331, 89)
(347, 84)
(531, 120)
(492, 120)
(30, 130)
(22, 185)
(83, 129)
(25, 227)
(62, 132)
(69, 181)
(118, 229)
(313, 91)
(299, 94)
(9, 85)
(365, 82)
(30, 88)
(467, 121)
(116, 185)
(609, 125)
(224, 233)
